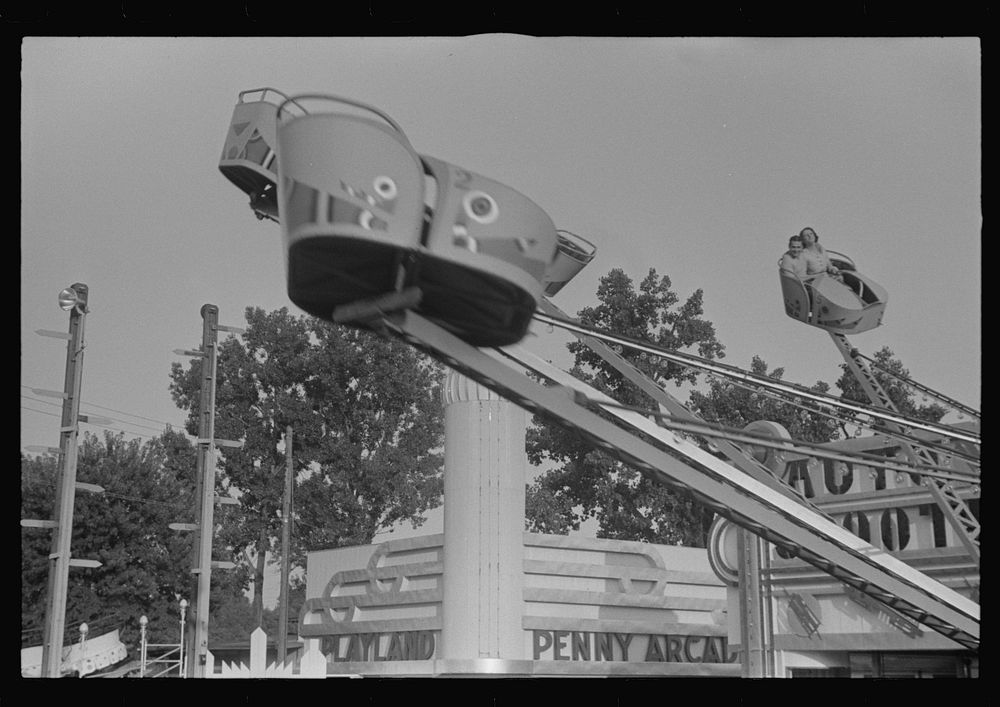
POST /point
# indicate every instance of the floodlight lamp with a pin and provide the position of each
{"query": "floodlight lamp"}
(74, 297)
(67, 299)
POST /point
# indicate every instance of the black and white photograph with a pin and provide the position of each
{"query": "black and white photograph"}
(500, 356)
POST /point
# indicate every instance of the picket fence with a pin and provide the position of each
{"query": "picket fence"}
(311, 665)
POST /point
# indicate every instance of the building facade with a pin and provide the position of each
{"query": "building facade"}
(820, 627)
(487, 598)
(586, 607)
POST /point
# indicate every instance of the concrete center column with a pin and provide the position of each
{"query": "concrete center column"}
(484, 473)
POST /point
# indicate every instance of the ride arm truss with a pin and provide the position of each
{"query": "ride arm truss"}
(945, 494)
(720, 487)
(736, 456)
(776, 386)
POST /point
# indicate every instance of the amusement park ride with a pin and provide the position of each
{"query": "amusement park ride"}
(379, 236)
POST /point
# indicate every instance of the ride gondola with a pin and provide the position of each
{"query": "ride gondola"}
(249, 158)
(849, 304)
(363, 214)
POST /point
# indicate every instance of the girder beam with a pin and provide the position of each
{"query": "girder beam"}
(735, 454)
(717, 485)
(952, 505)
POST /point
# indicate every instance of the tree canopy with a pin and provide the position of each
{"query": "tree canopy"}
(145, 565)
(584, 482)
(367, 447)
(891, 376)
(367, 434)
(736, 405)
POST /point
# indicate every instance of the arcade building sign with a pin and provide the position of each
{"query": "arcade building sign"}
(545, 645)
(372, 647)
(629, 647)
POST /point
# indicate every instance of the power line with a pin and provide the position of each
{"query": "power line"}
(103, 407)
(92, 422)
(58, 405)
(793, 389)
(106, 426)
(136, 499)
(795, 446)
(132, 414)
(858, 423)
(145, 500)
(40, 412)
(926, 390)
(109, 427)
(721, 431)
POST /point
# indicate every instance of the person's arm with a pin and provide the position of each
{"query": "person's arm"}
(830, 267)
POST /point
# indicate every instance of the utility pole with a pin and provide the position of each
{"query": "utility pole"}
(286, 526)
(205, 471)
(73, 299)
(204, 529)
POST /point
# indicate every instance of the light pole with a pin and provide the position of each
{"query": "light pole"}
(84, 629)
(142, 645)
(74, 300)
(180, 661)
(286, 529)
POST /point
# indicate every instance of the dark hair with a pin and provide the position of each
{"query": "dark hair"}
(794, 238)
(810, 228)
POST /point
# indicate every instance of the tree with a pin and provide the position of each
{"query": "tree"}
(367, 434)
(234, 618)
(585, 482)
(890, 374)
(145, 565)
(736, 406)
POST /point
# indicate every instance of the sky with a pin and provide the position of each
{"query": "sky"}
(698, 157)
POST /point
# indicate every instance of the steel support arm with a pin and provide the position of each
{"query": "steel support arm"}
(953, 506)
(717, 485)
